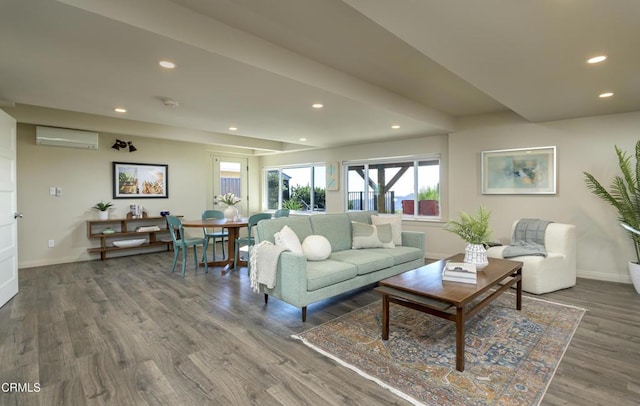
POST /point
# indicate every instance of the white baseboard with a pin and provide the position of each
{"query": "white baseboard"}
(437, 255)
(602, 276)
(45, 262)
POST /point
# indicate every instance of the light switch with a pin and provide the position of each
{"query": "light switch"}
(58, 191)
(52, 191)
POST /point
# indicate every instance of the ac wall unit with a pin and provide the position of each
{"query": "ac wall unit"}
(64, 137)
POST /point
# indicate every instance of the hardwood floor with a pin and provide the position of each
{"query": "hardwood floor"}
(126, 332)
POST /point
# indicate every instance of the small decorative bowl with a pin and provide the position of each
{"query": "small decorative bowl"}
(129, 243)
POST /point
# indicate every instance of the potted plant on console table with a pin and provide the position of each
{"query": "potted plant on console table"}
(103, 210)
(624, 195)
(475, 231)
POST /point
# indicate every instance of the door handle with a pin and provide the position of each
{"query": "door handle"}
(17, 215)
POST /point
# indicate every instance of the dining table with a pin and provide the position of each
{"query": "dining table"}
(233, 227)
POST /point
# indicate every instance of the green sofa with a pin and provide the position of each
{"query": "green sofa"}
(300, 282)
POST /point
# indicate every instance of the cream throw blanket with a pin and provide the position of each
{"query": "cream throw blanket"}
(264, 263)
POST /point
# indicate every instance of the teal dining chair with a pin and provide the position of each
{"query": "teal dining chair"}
(281, 213)
(248, 241)
(212, 234)
(181, 243)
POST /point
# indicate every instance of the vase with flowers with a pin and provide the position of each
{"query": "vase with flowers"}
(231, 200)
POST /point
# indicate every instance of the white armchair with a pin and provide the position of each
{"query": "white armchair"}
(557, 270)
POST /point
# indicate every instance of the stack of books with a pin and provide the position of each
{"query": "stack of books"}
(460, 272)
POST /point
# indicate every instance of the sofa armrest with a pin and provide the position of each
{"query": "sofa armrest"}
(413, 239)
(291, 280)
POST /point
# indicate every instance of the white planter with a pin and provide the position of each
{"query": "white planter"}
(231, 213)
(634, 271)
(476, 254)
(103, 215)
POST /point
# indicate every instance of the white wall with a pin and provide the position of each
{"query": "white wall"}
(585, 144)
(85, 177)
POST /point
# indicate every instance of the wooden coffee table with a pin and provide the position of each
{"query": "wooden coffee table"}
(423, 289)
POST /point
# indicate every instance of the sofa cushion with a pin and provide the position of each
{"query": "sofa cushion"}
(370, 236)
(299, 225)
(328, 272)
(365, 260)
(396, 226)
(336, 227)
(316, 248)
(288, 239)
(400, 254)
(361, 216)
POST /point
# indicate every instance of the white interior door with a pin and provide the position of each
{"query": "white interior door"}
(230, 176)
(8, 203)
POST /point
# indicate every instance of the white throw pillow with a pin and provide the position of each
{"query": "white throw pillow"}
(370, 236)
(396, 226)
(287, 238)
(316, 248)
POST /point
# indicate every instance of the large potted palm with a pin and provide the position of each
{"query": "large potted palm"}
(624, 196)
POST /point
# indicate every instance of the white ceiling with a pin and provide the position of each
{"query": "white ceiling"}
(259, 65)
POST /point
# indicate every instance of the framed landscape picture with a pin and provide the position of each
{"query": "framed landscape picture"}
(134, 180)
(519, 171)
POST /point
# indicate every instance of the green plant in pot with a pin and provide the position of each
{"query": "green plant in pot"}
(624, 196)
(103, 209)
(474, 229)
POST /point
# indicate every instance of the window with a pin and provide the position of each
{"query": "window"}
(230, 178)
(395, 186)
(299, 188)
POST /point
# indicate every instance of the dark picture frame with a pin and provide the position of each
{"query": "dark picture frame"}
(140, 181)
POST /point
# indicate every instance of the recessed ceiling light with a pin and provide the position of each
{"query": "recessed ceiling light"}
(605, 95)
(167, 64)
(120, 110)
(395, 127)
(317, 105)
(597, 59)
(302, 139)
(233, 128)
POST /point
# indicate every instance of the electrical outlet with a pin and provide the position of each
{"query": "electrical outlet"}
(58, 191)
(52, 243)
(52, 191)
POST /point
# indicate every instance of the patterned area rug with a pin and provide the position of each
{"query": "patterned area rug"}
(510, 358)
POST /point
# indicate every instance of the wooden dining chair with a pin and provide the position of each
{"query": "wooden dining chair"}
(180, 242)
(212, 234)
(248, 241)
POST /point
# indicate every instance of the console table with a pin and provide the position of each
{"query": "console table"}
(125, 229)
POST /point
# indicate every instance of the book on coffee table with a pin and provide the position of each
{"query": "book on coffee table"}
(448, 278)
(460, 272)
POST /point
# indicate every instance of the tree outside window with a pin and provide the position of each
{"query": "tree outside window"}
(296, 188)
